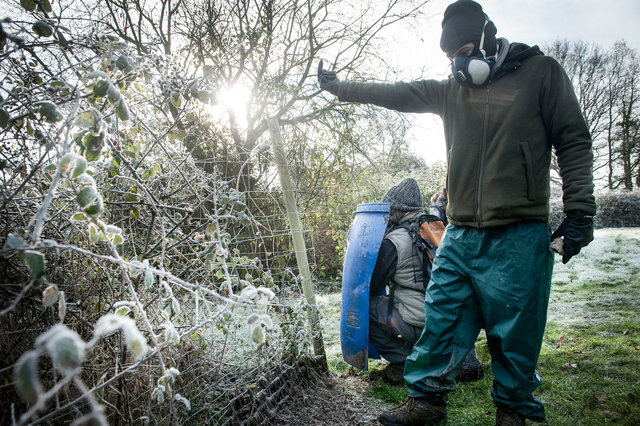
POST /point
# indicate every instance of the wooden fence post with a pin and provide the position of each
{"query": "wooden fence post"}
(297, 234)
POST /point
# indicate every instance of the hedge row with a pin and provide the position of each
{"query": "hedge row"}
(615, 210)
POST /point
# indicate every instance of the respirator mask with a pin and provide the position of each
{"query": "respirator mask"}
(473, 71)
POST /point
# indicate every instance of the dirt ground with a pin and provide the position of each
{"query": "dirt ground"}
(339, 400)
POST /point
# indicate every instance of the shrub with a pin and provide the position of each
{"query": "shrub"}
(615, 210)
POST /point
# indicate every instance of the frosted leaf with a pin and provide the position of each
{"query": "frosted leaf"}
(183, 400)
(50, 296)
(112, 229)
(64, 346)
(86, 180)
(148, 279)
(266, 292)
(266, 321)
(253, 319)
(248, 293)
(175, 306)
(109, 324)
(173, 372)
(79, 217)
(15, 241)
(135, 342)
(257, 334)
(135, 268)
(171, 334)
(25, 372)
(123, 307)
(158, 394)
(170, 376)
(67, 162)
(79, 167)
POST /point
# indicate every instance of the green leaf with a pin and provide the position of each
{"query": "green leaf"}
(122, 111)
(244, 219)
(92, 155)
(46, 5)
(257, 334)
(118, 239)
(26, 377)
(50, 112)
(80, 167)
(94, 234)
(176, 100)
(101, 87)
(35, 263)
(122, 311)
(87, 195)
(239, 206)
(95, 208)
(4, 118)
(79, 217)
(42, 29)
(28, 5)
(88, 119)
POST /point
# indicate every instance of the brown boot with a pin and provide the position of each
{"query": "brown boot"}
(414, 412)
(392, 374)
(507, 417)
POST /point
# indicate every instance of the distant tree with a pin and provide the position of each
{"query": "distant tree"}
(626, 136)
(606, 84)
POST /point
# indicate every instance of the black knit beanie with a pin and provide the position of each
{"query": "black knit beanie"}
(462, 23)
(405, 196)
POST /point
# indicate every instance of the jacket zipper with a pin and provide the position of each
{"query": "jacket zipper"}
(483, 148)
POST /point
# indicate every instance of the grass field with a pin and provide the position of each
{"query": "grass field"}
(590, 359)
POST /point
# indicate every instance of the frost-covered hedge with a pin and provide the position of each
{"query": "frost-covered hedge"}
(615, 210)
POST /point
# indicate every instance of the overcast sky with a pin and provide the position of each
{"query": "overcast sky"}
(529, 21)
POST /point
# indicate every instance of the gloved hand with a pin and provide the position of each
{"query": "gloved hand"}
(328, 80)
(577, 229)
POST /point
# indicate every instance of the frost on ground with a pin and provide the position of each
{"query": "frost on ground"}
(604, 272)
(602, 275)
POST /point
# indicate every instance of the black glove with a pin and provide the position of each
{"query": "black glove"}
(577, 229)
(328, 80)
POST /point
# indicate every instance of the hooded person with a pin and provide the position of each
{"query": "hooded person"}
(505, 109)
(396, 319)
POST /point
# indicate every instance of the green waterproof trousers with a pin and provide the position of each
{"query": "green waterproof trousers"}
(493, 278)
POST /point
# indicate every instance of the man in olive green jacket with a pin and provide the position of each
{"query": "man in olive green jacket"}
(504, 109)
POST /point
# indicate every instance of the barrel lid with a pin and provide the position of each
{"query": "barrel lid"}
(373, 208)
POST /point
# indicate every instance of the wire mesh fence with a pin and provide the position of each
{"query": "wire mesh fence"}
(183, 295)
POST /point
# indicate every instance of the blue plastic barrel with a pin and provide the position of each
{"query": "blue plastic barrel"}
(363, 244)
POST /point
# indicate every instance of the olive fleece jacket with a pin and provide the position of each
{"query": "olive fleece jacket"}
(499, 138)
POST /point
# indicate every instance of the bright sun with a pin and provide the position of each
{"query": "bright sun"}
(235, 99)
